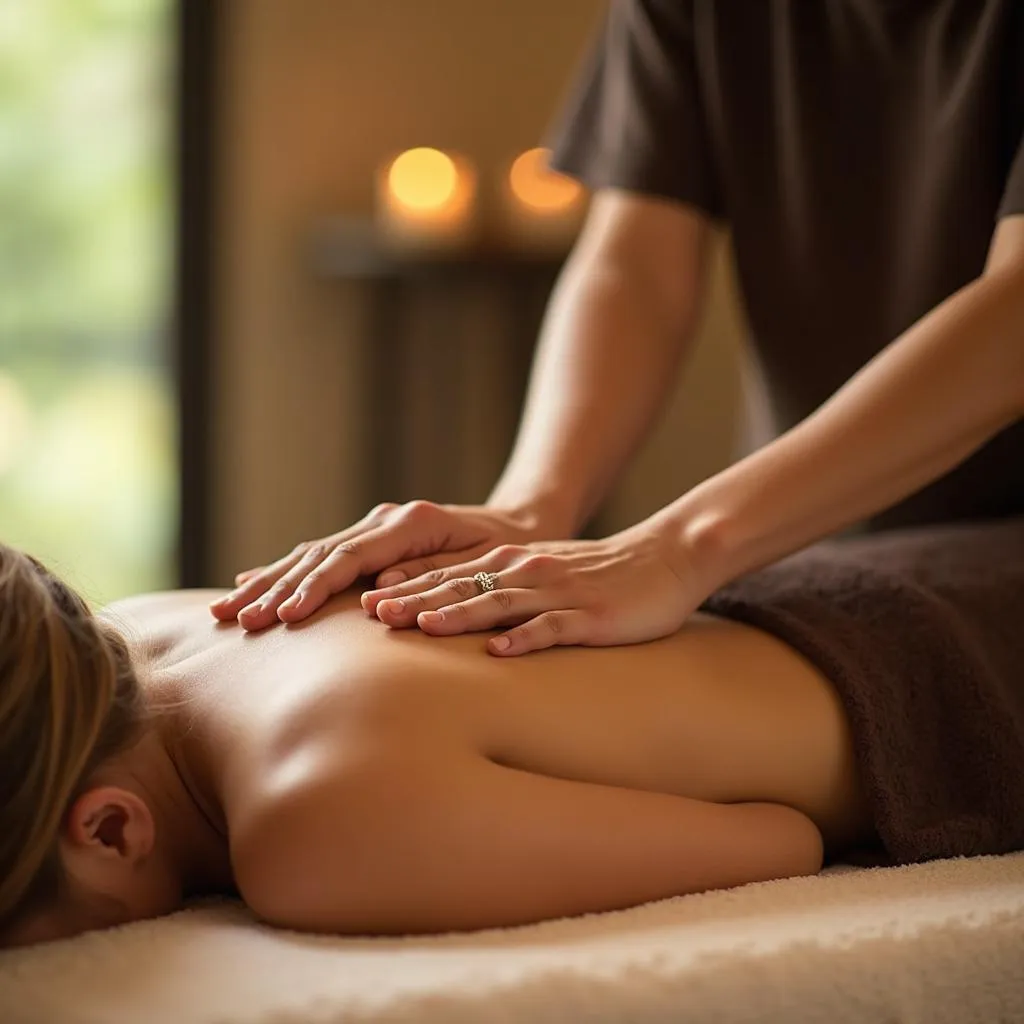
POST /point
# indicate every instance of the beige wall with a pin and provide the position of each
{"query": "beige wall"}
(316, 92)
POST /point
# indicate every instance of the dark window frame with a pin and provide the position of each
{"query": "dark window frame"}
(195, 102)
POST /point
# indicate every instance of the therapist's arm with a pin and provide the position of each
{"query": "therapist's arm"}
(619, 321)
(926, 402)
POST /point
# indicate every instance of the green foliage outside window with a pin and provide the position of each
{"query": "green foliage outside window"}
(87, 459)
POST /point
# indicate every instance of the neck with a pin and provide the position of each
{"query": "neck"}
(205, 860)
(188, 805)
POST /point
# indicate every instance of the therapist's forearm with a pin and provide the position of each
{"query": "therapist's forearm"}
(925, 403)
(607, 356)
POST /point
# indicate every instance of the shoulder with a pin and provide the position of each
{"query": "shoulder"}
(153, 623)
(141, 607)
(318, 848)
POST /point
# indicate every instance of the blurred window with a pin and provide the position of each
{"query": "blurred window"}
(88, 465)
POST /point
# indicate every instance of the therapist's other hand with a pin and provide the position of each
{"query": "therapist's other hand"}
(634, 586)
(398, 542)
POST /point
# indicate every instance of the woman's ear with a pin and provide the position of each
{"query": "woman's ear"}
(108, 826)
(108, 835)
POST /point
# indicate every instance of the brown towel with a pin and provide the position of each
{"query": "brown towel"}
(922, 633)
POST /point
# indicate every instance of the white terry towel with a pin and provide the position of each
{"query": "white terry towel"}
(936, 943)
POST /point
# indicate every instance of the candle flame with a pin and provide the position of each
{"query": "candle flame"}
(535, 185)
(423, 179)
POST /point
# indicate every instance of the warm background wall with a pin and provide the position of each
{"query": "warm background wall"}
(315, 94)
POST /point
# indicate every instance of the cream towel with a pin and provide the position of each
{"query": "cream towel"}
(935, 943)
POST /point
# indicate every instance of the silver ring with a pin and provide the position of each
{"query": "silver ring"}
(486, 581)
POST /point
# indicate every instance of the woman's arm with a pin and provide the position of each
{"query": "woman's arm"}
(473, 844)
(925, 403)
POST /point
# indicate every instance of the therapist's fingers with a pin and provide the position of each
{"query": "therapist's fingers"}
(416, 567)
(514, 597)
(264, 611)
(555, 628)
(255, 583)
(259, 582)
(497, 608)
(489, 560)
(366, 553)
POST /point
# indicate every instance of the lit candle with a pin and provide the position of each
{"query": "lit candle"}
(427, 199)
(542, 209)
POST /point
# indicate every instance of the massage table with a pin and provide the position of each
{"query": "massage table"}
(931, 943)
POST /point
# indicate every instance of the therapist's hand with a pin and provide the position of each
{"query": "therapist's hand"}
(398, 542)
(634, 586)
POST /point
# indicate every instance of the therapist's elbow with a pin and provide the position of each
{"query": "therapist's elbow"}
(651, 252)
(1004, 287)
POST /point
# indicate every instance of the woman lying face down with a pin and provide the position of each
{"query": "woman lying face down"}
(344, 777)
(98, 827)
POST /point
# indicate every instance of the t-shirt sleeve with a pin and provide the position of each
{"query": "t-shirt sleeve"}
(635, 119)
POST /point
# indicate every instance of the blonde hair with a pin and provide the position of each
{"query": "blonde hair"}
(69, 700)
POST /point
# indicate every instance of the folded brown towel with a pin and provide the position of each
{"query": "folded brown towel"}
(922, 633)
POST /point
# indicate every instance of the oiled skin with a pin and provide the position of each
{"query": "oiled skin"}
(376, 780)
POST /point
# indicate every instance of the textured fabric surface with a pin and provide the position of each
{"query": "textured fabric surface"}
(936, 943)
(922, 634)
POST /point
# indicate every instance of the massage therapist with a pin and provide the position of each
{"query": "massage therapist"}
(867, 157)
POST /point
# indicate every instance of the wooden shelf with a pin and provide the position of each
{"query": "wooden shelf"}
(423, 358)
(351, 249)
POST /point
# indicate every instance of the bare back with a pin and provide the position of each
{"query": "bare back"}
(716, 713)
(719, 712)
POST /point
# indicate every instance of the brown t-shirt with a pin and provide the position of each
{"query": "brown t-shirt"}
(861, 152)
